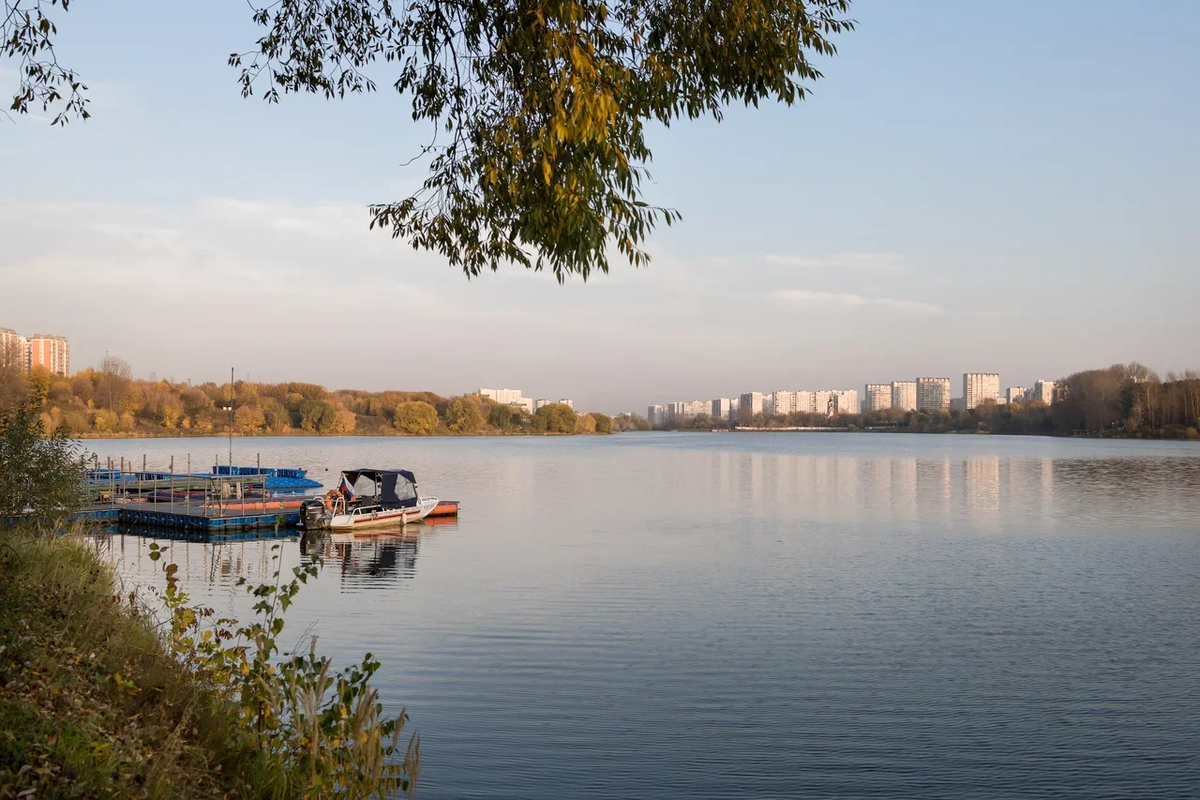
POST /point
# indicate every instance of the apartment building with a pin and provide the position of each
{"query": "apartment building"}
(877, 396)
(509, 397)
(50, 351)
(904, 395)
(14, 350)
(1044, 391)
(846, 401)
(980, 387)
(933, 394)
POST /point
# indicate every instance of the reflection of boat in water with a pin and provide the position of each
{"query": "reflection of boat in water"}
(365, 558)
(368, 498)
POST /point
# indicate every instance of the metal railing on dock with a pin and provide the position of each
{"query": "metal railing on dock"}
(230, 497)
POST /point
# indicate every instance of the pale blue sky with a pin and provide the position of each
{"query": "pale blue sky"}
(983, 187)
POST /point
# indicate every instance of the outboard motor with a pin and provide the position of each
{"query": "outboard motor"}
(314, 515)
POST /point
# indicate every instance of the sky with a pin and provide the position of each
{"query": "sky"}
(966, 190)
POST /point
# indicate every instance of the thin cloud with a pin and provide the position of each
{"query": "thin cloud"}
(844, 299)
(866, 261)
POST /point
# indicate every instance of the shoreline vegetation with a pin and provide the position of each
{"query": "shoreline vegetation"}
(111, 692)
(1121, 401)
(108, 403)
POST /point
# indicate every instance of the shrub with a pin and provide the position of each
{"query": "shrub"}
(38, 472)
(504, 418)
(317, 732)
(416, 417)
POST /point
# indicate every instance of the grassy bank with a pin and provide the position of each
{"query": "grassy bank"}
(99, 700)
(90, 704)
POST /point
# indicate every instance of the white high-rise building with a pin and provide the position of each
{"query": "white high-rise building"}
(846, 401)
(784, 403)
(541, 401)
(824, 402)
(568, 403)
(1015, 394)
(904, 395)
(688, 409)
(1044, 391)
(933, 394)
(877, 396)
(980, 387)
(656, 415)
(721, 408)
(750, 403)
(509, 397)
(14, 350)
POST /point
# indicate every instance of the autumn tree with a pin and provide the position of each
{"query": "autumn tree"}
(463, 415)
(113, 381)
(249, 419)
(604, 423)
(538, 110)
(503, 417)
(13, 389)
(416, 417)
(555, 418)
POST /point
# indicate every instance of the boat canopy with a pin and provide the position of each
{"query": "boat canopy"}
(395, 486)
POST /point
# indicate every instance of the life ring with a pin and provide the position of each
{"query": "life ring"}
(330, 497)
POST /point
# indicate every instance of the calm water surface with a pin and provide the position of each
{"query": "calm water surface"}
(763, 615)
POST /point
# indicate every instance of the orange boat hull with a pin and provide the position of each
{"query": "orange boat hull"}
(446, 508)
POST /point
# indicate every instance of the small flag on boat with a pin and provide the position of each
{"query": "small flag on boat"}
(346, 489)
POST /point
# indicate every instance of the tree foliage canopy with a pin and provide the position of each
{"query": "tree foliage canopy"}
(39, 470)
(463, 415)
(416, 417)
(539, 107)
(555, 418)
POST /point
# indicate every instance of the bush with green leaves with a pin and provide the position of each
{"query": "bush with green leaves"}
(41, 473)
(317, 732)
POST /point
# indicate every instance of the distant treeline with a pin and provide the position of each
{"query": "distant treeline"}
(109, 402)
(1124, 400)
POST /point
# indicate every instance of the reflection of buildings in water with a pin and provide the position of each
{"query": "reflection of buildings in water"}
(1045, 471)
(1030, 488)
(933, 489)
(982, 487)
(902, 487)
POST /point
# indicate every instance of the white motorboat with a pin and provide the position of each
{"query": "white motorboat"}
(367, 498)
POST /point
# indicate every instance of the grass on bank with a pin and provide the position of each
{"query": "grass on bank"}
(90, 704)
(96, 700)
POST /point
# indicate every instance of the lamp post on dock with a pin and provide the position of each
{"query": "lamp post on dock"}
(229, 407)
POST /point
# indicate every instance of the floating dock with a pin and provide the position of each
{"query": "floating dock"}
(223, 503)
(193, 516)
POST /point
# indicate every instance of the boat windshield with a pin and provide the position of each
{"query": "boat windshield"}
(392, 487)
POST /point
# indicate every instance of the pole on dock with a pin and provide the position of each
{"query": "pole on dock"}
(188, 496)
(231, 418)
